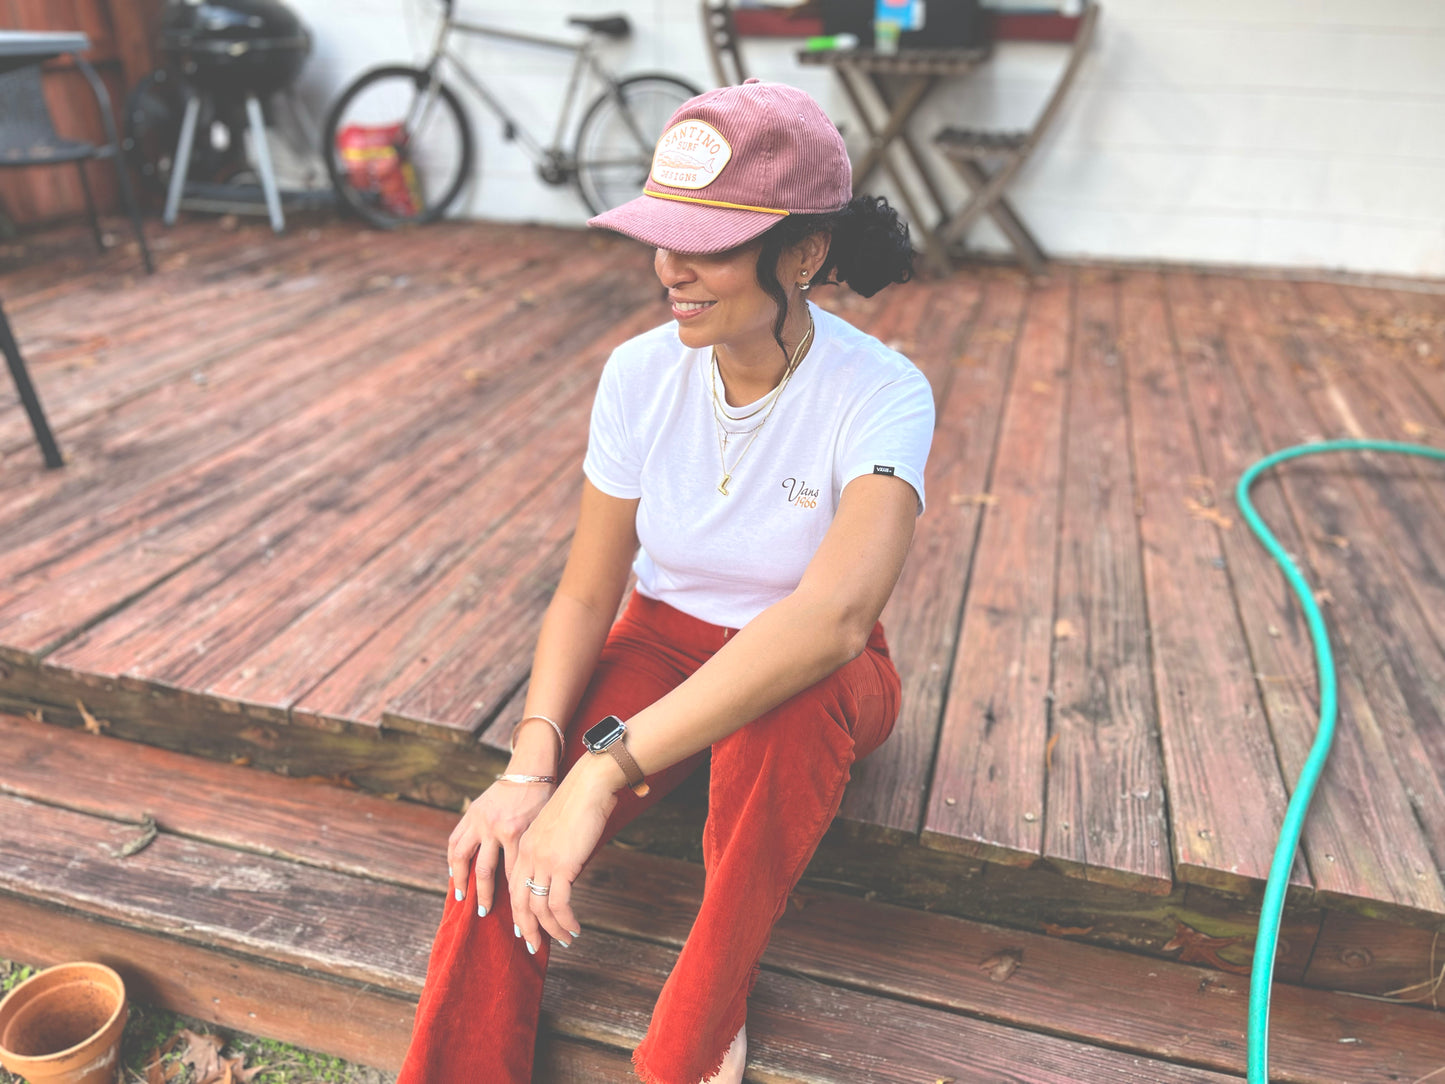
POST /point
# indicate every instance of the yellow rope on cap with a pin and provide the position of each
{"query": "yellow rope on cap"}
(713, 202)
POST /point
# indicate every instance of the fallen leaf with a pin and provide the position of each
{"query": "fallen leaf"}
(1199, 948)
(1042, 387)
(1067, 931)
(241, 762)
(202, 1054)
(341, 779)
(138, 843)
(472, 376)
(1049, 752)
(984, 499)
(1213, 515)
(1339, 541)
(1064, 629)
(92, 724)
(1413, 429)
(1001, 965)
(36, 716)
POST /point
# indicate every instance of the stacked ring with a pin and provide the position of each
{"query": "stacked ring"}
(536, 889)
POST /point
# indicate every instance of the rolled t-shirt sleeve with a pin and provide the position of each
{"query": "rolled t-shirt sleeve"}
(612, 463)
(891, 434)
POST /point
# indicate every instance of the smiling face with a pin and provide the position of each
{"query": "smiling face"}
(717, 300)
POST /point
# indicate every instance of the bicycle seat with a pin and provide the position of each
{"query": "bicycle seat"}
(609, 26)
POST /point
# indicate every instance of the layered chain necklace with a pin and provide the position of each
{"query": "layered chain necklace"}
(769, 402)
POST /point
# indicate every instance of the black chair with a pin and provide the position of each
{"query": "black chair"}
(28, 139)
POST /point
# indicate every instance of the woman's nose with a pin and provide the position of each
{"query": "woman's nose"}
(671, 268)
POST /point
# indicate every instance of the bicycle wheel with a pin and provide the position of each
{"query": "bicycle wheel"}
(616, 138)
(398, 147)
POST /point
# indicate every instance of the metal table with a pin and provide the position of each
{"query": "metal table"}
(18, 49)
(863, 74)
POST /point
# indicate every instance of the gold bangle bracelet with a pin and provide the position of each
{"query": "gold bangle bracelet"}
(512, 741)
(517, 777)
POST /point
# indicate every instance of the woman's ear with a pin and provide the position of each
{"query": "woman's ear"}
(813, 250)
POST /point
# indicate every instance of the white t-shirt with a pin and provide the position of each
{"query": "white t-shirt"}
(853, 407)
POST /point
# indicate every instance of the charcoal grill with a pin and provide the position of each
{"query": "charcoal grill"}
(232, 48)
(231, 51)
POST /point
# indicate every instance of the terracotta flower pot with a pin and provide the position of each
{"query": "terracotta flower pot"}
(63, 1025)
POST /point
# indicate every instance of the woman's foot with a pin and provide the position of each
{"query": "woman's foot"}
(734, 1061)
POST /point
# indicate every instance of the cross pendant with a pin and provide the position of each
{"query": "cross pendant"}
(722, 487)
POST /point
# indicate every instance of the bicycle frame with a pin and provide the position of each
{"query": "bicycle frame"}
(586, 60)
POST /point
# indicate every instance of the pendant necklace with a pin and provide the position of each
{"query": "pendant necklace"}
(770, 404)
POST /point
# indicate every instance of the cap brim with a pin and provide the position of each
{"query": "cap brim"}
(685, 227)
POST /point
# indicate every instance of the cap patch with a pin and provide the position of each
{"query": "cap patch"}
(690, 154)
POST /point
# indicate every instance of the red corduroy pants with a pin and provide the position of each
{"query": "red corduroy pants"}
(775, 786)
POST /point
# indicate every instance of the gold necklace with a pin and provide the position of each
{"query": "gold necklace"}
(722, 487)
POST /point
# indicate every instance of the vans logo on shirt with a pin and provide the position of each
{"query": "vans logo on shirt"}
(878, 468)
(800, 494)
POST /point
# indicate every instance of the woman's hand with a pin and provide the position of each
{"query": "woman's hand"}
(495, 820)
(553, 850)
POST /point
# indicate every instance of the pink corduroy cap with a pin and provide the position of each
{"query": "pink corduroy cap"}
(733, 162)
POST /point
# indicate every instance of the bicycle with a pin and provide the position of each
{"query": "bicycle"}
(399, 145)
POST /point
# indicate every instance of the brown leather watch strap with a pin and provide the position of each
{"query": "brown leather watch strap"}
(635, 779)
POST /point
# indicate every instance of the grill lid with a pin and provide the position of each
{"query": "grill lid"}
(235, 46)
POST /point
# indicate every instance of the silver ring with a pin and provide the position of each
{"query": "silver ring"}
(536, 889)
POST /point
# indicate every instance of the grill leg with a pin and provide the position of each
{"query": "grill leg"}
(182, 162)
(263, 163)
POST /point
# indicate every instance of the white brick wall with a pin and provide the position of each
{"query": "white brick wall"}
(1272, 132)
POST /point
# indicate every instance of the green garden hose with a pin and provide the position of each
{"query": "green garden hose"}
(1267, 942)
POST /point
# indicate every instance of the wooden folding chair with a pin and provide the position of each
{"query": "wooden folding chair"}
(968, 150)
(723, 46)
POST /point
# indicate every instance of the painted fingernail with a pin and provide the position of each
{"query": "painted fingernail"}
(530, 949)
(449, 871)
(516, 930)
(481, 911)
(458, 893)
(575, 933)
(564, 944)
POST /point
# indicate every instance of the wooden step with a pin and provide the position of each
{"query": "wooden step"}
(304, 911)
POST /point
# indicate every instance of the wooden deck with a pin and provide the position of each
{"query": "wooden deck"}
(304, 912)
(320, 487)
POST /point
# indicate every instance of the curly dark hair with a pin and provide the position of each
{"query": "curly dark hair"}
(870, 249)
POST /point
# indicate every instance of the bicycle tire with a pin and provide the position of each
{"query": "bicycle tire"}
(612, 162)
(435, 163)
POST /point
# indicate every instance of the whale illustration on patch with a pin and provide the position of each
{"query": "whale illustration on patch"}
(678, 160)
(690, 154)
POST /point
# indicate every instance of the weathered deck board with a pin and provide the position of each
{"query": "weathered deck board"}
(1226, 796)
(1278, 640)
(1134, 1005)
(1105, 805)
(302, 548)
(987, 793)
(1373, 620)
(291, 496)
(890, 786)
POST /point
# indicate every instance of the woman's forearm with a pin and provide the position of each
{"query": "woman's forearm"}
(567, 651)
(788, 647)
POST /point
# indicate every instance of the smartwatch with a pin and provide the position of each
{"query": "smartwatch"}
(606, 738)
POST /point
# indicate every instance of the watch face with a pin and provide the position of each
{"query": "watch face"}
(600, 735)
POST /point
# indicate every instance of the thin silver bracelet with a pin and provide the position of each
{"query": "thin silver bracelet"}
(516, 777)
(512, 741)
